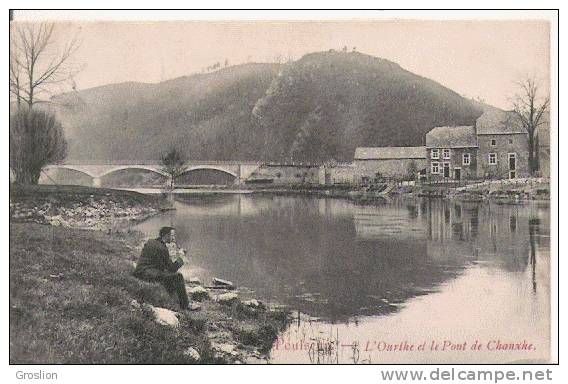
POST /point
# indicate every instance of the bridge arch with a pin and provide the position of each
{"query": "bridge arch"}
(211, 168)
(133, 167)
(71, 168)
(211, 173)
(208, 175)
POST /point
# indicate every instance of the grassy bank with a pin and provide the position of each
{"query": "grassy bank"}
(73, 300)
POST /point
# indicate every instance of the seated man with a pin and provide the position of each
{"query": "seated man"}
(155, 265)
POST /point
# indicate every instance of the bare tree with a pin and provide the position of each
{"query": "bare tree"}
(36, 66)
(529, 107)
(36, 139)
(173, 164)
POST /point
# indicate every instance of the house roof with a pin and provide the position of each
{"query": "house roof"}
(451, 137)
(386, 153)
(498, 122)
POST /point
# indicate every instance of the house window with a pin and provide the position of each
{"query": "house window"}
(435, 167)
(492, 158)
(466, 159)
(510, 141)
(446, 153)
(435, 153)
(493, 142)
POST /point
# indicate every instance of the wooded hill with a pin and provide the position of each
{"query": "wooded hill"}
(316, 109)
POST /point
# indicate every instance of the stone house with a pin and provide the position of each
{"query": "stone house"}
(503, 146)
(495, 148)
(452, 153)
(390, 162)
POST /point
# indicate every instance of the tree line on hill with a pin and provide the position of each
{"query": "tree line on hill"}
(315, 109)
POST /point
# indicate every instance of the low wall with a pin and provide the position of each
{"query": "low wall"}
(284, 174)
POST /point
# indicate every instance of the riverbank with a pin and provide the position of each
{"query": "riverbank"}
(82, 207)
(507, 190)
(504, 191)
(73, 298)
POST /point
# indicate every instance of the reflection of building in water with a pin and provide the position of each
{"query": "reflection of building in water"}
(484, 232)
(457, 231)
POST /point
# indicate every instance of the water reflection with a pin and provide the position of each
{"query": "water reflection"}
(399, 269)
(337, 260)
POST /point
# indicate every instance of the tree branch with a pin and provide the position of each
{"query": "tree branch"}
(39, 68)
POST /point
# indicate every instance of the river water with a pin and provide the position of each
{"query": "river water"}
(405, 280)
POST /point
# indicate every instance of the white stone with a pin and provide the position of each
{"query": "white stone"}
(198, 291)
(251, 303)
(225, 348)
(226, 297)
(165, 316)
(217, 281)
(195, 280)
(194, 307)
(192, 352)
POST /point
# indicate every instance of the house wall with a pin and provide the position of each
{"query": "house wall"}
(395, 168)
(456, 161)
(504, 144)
(340, 174)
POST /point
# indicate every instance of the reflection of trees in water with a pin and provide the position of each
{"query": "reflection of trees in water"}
(412, 211)
(457, 231)
(474, 220)
(424, 206)
(534, 227)
(458, 211)
(513, 223)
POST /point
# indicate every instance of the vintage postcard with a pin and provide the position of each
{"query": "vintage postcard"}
(302, 191)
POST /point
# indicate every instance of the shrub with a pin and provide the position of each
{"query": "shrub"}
(36, 139)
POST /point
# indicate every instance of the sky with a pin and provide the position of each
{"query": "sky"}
(481, 59)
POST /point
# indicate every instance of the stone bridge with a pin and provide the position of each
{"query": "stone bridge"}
(238, 169)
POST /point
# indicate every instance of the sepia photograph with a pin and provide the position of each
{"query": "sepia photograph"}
(281, 191)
